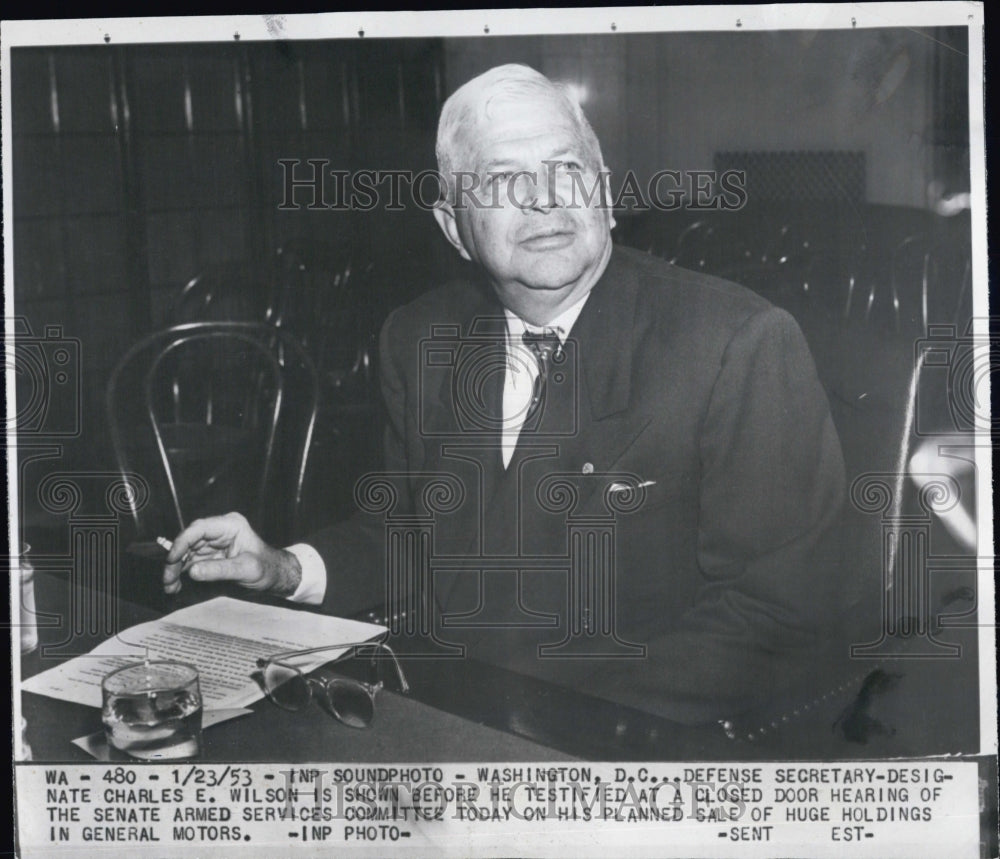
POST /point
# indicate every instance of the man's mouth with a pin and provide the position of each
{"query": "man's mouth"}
(548, 240)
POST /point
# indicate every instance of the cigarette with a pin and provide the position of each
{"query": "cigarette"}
(168, 545)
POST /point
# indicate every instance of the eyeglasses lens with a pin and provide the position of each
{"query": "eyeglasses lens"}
(288, 688)
(350, 702)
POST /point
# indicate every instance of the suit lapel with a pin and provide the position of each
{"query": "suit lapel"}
(605, 341)
(461, 389)
(465, 411)
(605, 332)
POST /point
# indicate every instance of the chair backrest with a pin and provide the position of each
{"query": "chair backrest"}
(231, 291)
(920, 283)
(217, 416)
(326, 301)
(697, 247)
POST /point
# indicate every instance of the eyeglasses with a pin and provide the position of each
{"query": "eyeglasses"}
(350, 701)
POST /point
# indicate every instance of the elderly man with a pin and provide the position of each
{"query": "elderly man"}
(577, 388)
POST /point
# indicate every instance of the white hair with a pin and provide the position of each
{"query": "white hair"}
(471, 102)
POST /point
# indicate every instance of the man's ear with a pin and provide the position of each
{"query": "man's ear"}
(444, 214)
(606, 196)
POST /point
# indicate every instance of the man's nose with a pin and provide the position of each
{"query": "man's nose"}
(544, 193)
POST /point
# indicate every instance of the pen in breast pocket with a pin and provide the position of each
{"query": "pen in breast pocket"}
(626, 487)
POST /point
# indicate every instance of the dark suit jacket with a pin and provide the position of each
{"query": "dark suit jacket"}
(695, 596)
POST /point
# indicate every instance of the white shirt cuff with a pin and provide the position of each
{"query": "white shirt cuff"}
(312, 587)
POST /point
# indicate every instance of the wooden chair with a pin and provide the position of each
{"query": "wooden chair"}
(218, 416)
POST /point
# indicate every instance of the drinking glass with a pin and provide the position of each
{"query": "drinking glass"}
(29, 623)
(152, 711)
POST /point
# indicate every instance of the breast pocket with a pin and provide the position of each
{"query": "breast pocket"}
(637, 494)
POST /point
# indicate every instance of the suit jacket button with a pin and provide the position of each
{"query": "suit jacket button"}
(588, 468)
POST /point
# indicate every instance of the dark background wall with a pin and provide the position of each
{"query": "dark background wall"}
(135, 168)
(670, 101)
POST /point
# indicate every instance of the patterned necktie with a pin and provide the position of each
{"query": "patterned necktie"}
(545, 344)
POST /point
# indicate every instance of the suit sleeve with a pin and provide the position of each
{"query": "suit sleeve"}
(771, 492)
(353, 550)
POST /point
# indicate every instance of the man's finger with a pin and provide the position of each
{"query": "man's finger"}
(215, 531)
(201, 553)
(181, 548)
(171, 579)
(242, 568)
(172, 569)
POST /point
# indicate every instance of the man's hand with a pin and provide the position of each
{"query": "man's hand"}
(226, 548)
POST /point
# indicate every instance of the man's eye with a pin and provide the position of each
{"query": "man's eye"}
(572, 165)
(500, 176)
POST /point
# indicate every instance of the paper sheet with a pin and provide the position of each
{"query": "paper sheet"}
(223, 637)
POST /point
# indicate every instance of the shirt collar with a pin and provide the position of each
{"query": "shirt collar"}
(562, 324)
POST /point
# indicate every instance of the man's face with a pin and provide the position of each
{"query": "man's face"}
(528, 223)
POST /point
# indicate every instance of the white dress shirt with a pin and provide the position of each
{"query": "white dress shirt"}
(522, 370)
(519, 385)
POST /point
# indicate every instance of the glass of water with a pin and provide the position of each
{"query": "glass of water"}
(152, 711)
